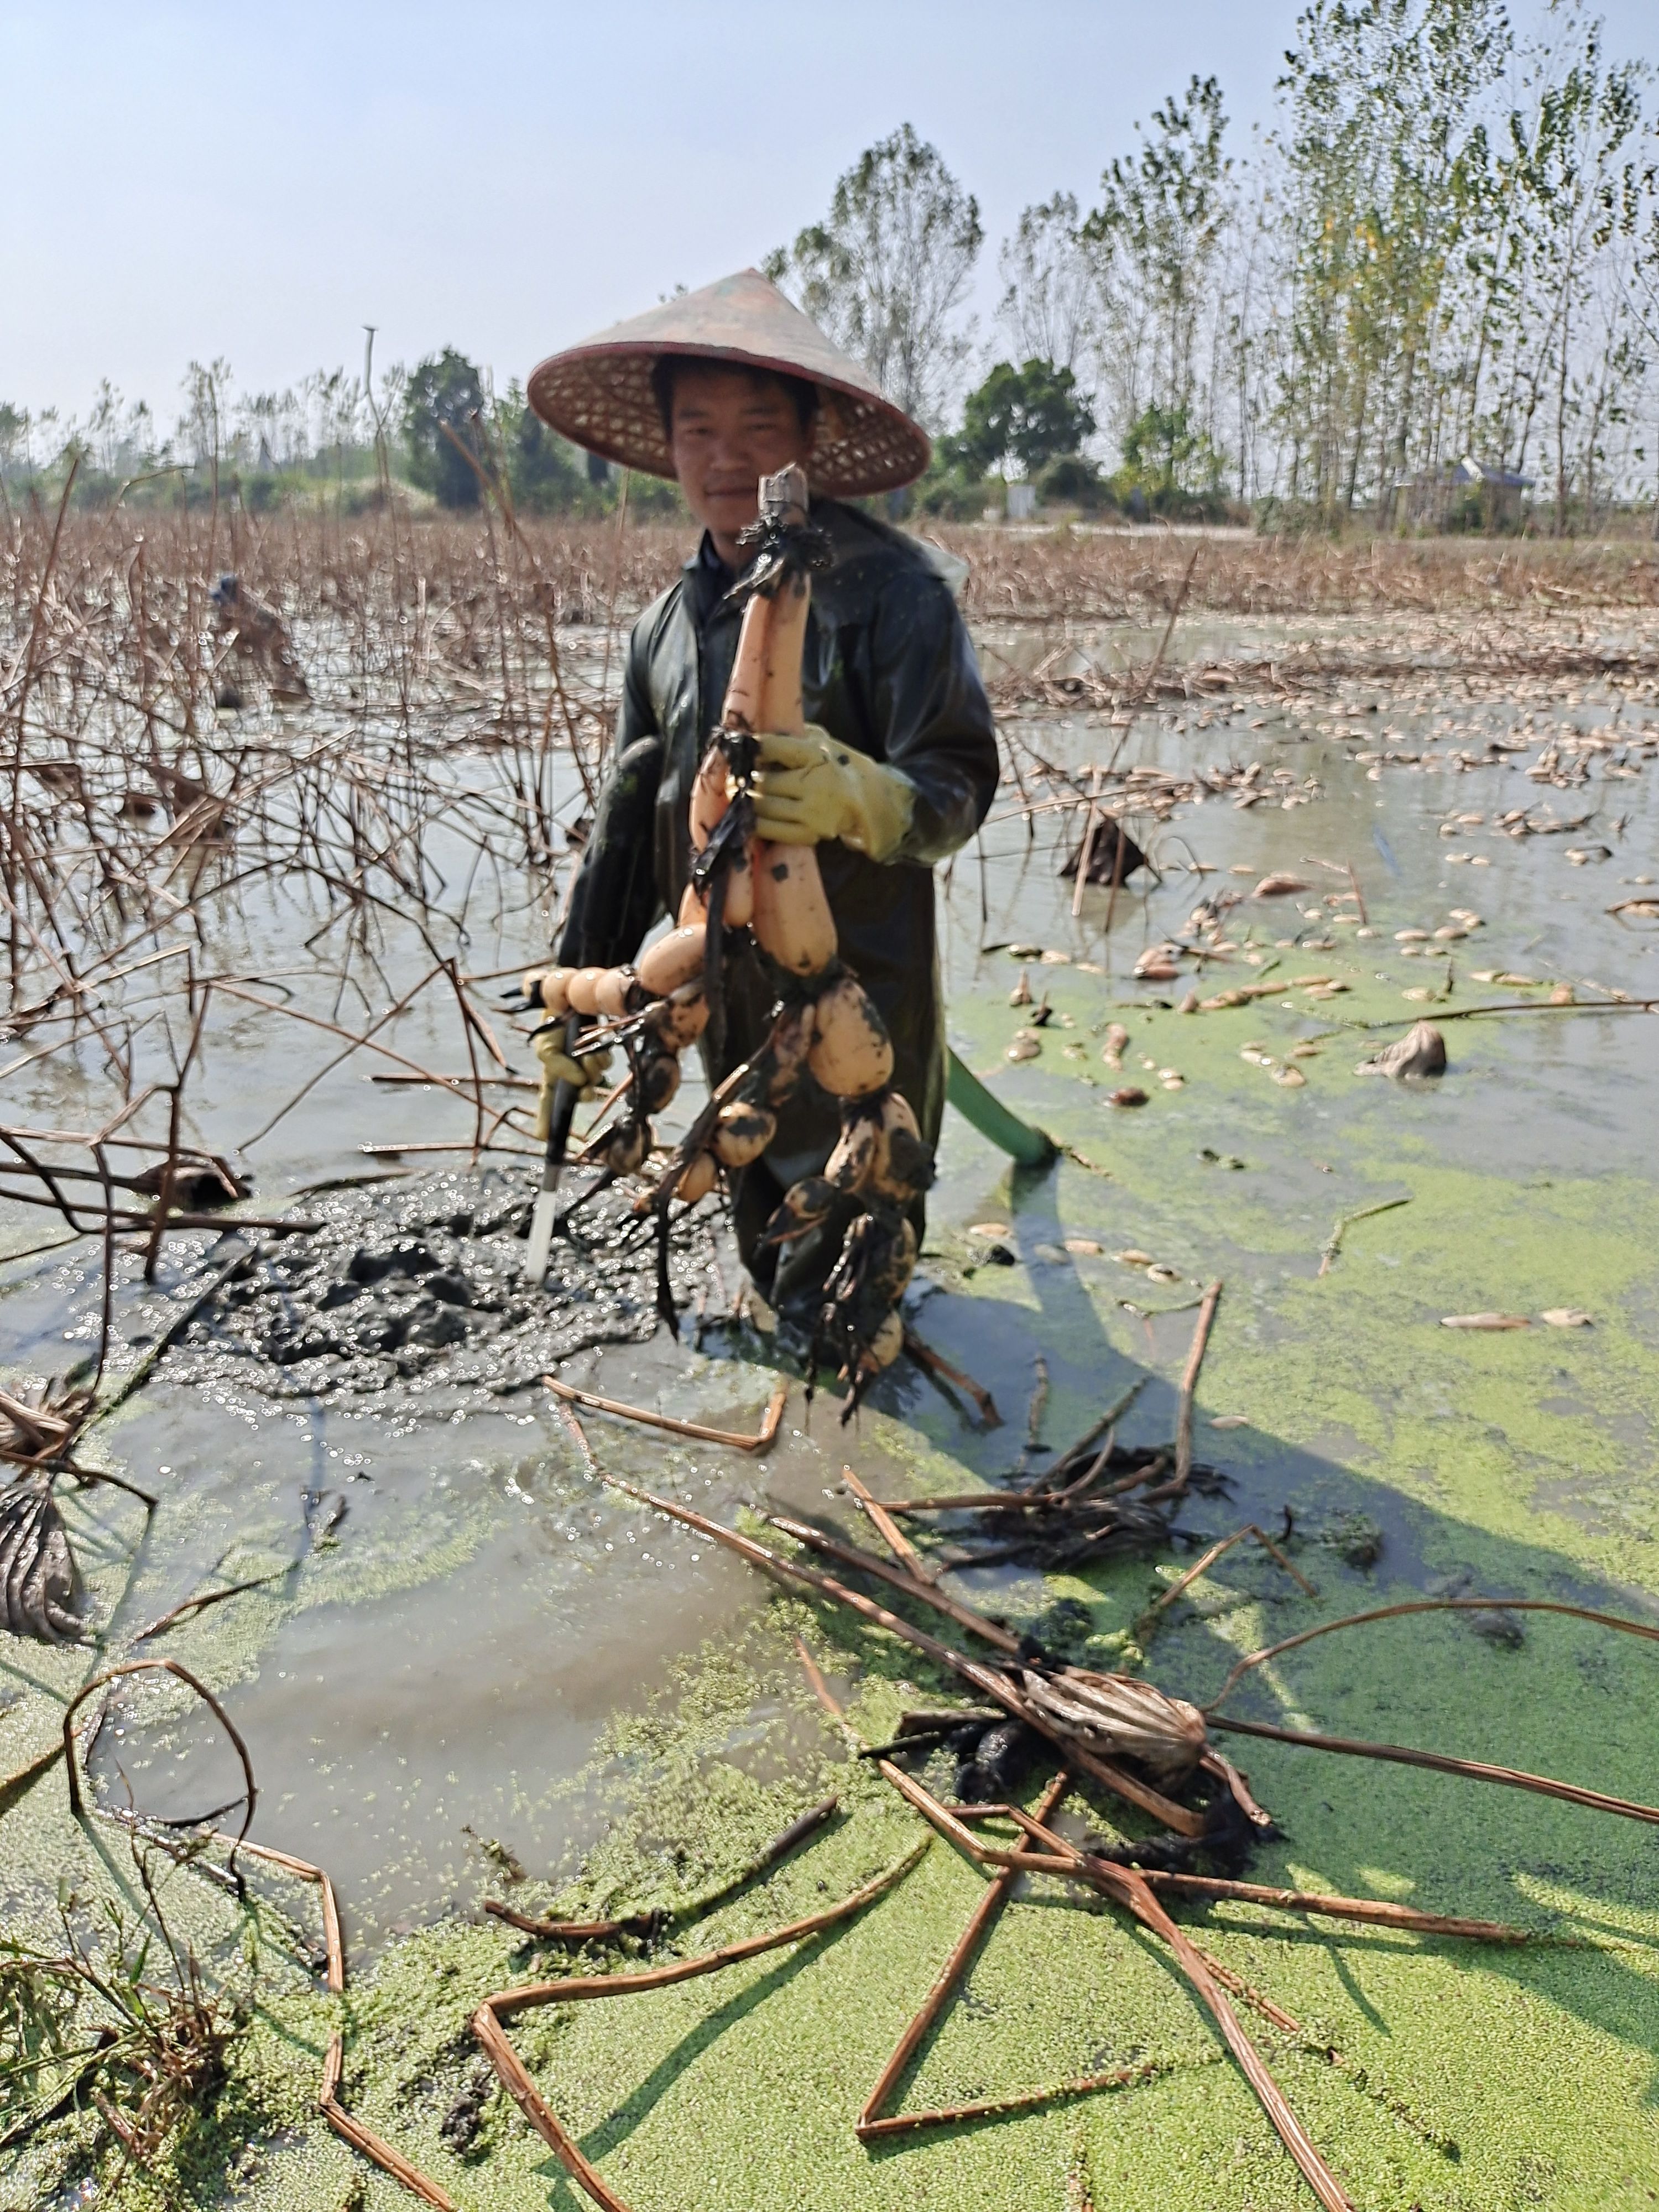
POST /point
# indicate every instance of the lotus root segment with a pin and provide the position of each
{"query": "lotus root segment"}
(826, 1029)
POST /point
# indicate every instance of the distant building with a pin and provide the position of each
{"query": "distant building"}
(1467, 493)
(1022, 502)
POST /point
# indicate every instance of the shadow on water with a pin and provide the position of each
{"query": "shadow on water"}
(636, 2109)
(1564, 1699)
(1545, 1694)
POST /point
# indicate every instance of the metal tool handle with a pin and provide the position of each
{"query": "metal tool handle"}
(539, 1249)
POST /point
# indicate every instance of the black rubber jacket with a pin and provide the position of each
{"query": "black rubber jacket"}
(887, 667)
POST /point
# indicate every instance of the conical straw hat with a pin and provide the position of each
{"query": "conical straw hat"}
(599, 393)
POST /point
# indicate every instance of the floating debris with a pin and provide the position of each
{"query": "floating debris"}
(1489, 1320)
(1355, 1538)
(40, 1584)
(1333, 1243)
(1421, 1051)
(1113, 855)
(1501, 1629)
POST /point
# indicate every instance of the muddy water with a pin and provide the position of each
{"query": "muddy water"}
(455, 1607)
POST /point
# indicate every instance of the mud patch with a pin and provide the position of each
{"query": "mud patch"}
(422, 1285)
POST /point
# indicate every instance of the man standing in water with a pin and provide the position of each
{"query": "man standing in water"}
(899, 765)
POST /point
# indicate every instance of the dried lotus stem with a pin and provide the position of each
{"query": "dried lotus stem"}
(758, 1443)
(1431, 1605)
(944, 2115)
(1183, 1467)
(996, 1895)
(893, 1536)
(333, 1943)
(651, 1923)
(1472, 1769)
(1126, 1887)
(1375, 1912)
(934, 1362)
(250, 1794)
(574, 1932)
(852, 1555)
(487, 2021)
(987, 1679)
(505, 2002)
(372, 2147)
(1203, 1564)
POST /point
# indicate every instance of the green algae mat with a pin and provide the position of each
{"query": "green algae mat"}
(1413, 1458)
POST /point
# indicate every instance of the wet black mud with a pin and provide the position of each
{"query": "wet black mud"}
(420, 1284)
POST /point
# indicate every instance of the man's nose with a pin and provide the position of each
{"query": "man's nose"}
(730, 451)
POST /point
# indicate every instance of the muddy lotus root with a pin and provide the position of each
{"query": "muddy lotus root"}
(825, 1027)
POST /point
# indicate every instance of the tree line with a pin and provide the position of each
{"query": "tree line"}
(441, 428)
(1437, 274)
(1430, 288)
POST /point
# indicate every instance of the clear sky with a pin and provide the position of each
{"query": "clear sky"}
(259, 181)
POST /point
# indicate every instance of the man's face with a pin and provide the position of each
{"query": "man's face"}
(730, 427)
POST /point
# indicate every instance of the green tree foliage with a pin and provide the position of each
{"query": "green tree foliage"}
(444, 392)
(1073, 480)
(1050, 276)
(1381, 211)
(1158, 237)
(886, 271)
(544, 472)
(1569, 188)
(545, 477)
(1173, 466)
(1027, 415)
(14, 440)
(1460, 220)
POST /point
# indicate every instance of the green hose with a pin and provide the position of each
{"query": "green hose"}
(1026, 1147)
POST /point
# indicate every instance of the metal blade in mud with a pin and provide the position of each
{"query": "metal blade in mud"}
(539, 1250)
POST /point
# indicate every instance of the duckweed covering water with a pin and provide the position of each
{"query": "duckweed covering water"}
(1431, 2073)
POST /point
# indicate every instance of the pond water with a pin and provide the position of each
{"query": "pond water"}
(454, 1606)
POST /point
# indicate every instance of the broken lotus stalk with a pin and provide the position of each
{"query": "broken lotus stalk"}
(826, 1025)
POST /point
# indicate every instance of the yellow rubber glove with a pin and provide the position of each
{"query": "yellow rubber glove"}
(813, 787)
(588, 1072)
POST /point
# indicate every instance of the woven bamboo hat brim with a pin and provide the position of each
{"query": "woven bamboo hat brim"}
(599, 393)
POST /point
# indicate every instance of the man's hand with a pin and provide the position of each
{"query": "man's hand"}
(586, 1072)
(813, 787)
